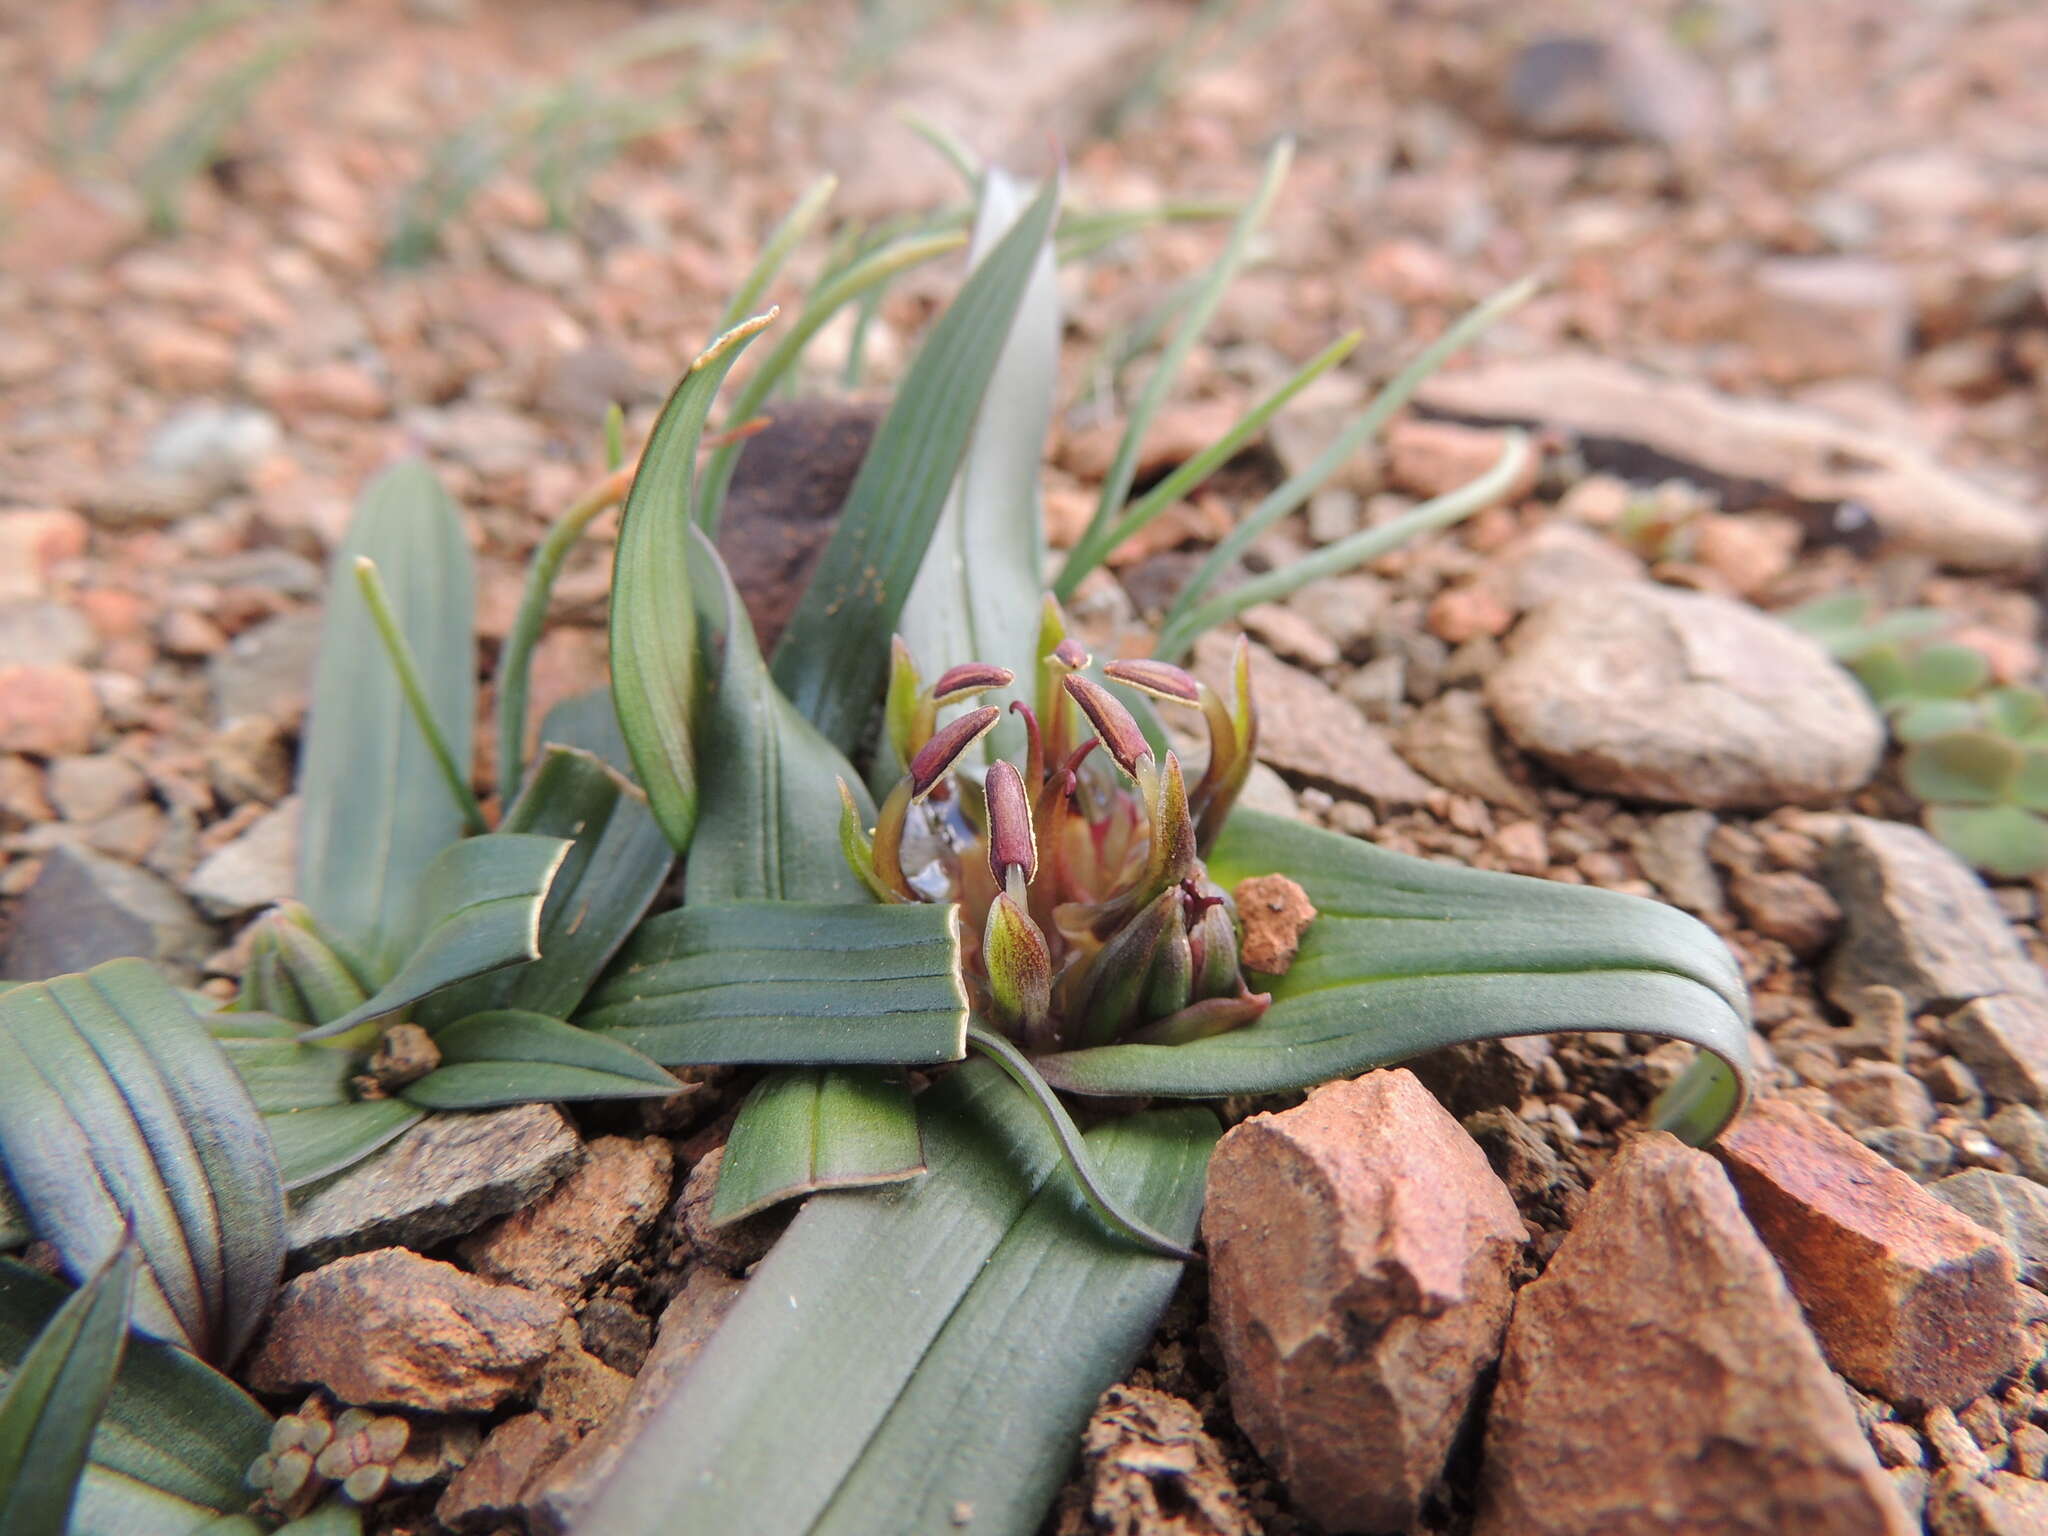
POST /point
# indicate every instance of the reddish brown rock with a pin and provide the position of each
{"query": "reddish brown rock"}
(484, 1495)
(1276, 912)
(1792, 908)
(1359, 1253)
(1148, 1468)
(47, 711)
(1912, 1300)
(578, 1389)
(2000, 1505)
(2004, 1040)
(1659, 1380)
(1433, 458)
(391, 1329)
(583, 1226)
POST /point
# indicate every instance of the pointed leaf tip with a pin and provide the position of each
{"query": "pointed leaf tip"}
(1113, 723)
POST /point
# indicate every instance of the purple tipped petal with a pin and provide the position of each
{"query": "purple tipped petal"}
(1071, 654)
(961, 682)
(937, 757)
(1012, 843)
(1161, 679)
(1112, 722)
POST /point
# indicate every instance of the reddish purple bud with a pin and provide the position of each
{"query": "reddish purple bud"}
(935, 759)
(1071, 654)
(1161, 679)
(968, 679)
(1012, 844)
(1018, 963)
(1112, 722)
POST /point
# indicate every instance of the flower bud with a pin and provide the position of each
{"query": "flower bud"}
(1019, 966)
(1113, 723)
(1012, 842)
(1171, 984)
(1214, 941)
(859, 851)
(1198, 1021)
(937, 757)
(963, 682)
(1114, 990)
(1160, 679)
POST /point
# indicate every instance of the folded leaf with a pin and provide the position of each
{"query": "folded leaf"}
(616, 862)
(375, 813)
(833, 654)
(510, 1057)
(1409, 956)
(121, 1112)
(808, 1129)
(881, 1318)
(171, 1448)
(478, 908)
(654, 662)
(55, 1396)
(314, 1143)
(781, 982)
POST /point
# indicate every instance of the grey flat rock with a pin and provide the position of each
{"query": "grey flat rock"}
(86, 907)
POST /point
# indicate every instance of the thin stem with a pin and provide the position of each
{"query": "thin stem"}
(1285, 498)
(794, 226)
(515, 664)
(408, 668)
(614, 435)
(950, 146)
(1345, 554)
(1017, 1067)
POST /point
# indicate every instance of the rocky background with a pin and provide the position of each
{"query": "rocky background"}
(1794, 340)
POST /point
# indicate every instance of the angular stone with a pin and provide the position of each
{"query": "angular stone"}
(1627, 82)
(1916, 918)
(1875, 1094)
(1681, 696)
(1558, 557)
(558, 1496)
(1911, 1300)
(1359, 1253)
(1148, 1466)
(734, 1246)
(1672, 850)
(267, 671)
(584, 1225)
(1792, 908)
(2001, 1505)
(2023, 1132)
(2014, 1208)
(1477, 1075)
(445, 1177)
(578, 1389)
(257, 869)
(1659, 1379)
(1813, 317)
(484, 1495)
(48, 711)
(89, 788)
(1309, 731)
(1276, 913)
(393, 1330)
(2004, 1040)
(85, 907)
(45, 635)
(1451, 740)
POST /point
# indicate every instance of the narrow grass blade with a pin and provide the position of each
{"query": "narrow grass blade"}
(55, 1397)
(789, 983)
(832, 655)
(813, 1128)
(1094, 545)
(977, 594)
(193, 143)
(776, 250)
(314, 1143)
(616, 862)
(123, 1116)
(413, 686)
(654, 661)
(479, 909)
(509, 1057)
(369, 833)
(1408, 956)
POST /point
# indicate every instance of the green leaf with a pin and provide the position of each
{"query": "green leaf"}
(1948, 671)
(614, 867)
(1883, 672)
(654, 661)
(1408, 956)
(767, 778)
(122, 1113)
(1921, 719)
(2030, 787)
(2001, 840)
(1962, 768)
(807, 1129)
(901, 1351)
(977, 594)
(374, 816)
(2021, 713)
(314, 1143)
(782, 982)
(833, 653)
(55, 1396)
(283, 1074)
(478, 908)
(175, 1439)
(509, 1057)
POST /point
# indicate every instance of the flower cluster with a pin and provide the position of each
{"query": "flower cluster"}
(1088, 916)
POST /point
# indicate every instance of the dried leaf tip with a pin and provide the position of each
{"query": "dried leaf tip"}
(1012, 842)
(1112, 722)
(1160, 679)
(968, 679)
(935, 759)
(745, 331)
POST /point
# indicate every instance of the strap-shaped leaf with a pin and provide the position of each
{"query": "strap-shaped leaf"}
(511, 1057)
(901, 1352)
(121, 1112)
(314, 1143)
(478, 908)
(375, 811)
(654, 661)
(55, 1396)
(616, 861)
(175, 1439)
(789, 983)
(1410, 955)
(807, 1129)
(833, 655)
(977, 595)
